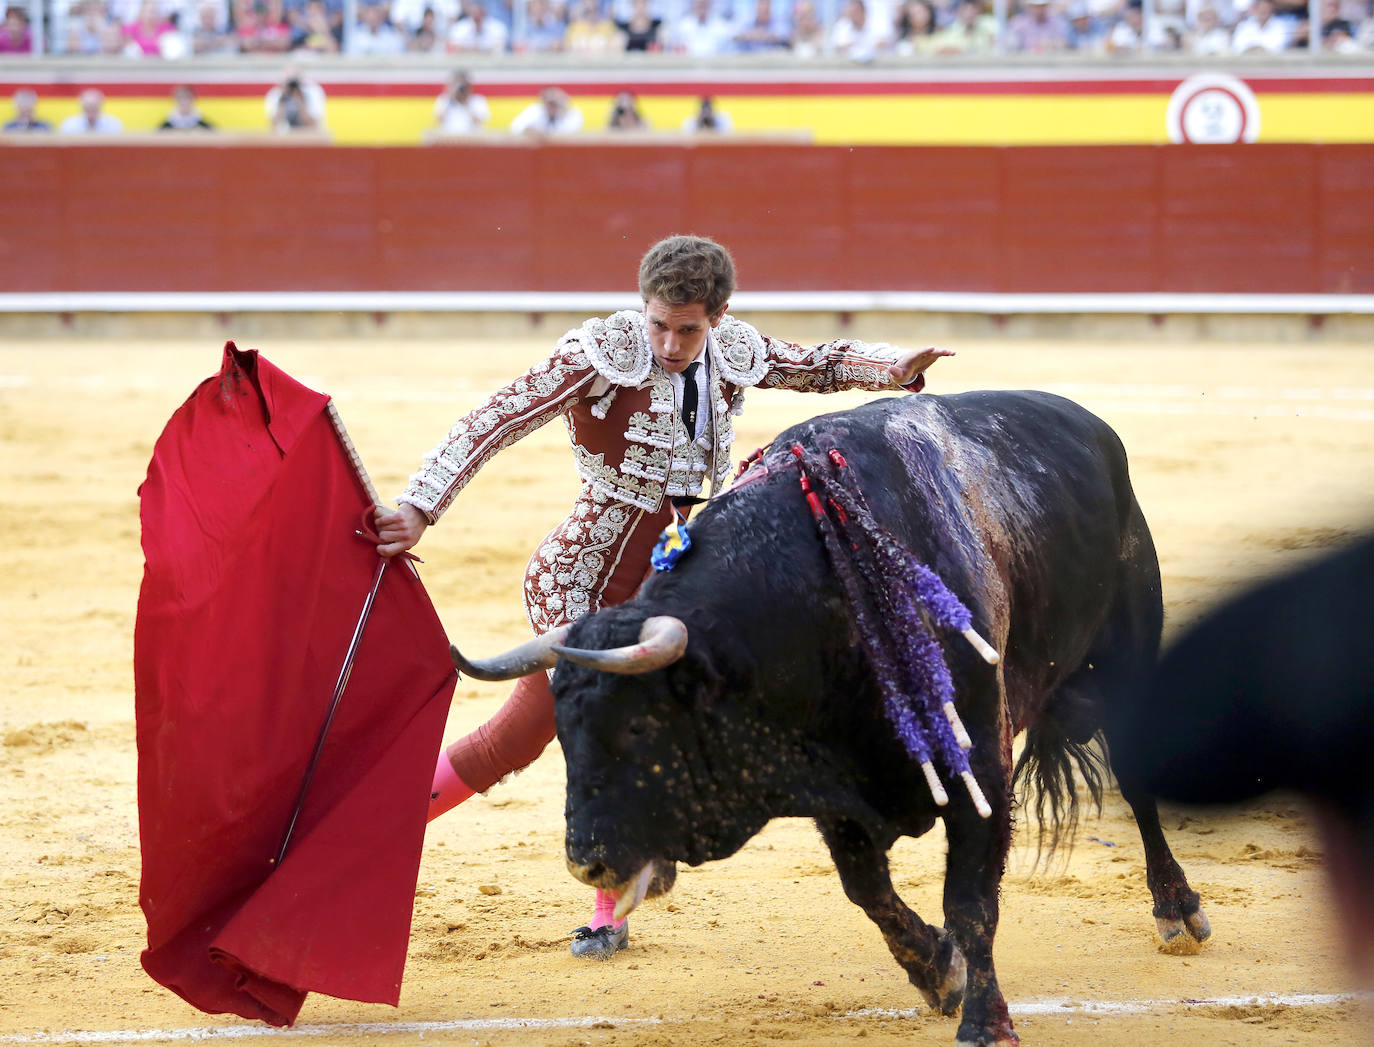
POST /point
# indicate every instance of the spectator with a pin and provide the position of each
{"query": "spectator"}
(641, 29)
(24, 121)
(1167, 14)
(1209, 36)
(15, 37)
(458, 111)
(1364, 33)
(122, 12)
(1037, 30)
(295, 12)
(1128, 35)
(372, 35)
(1338, 35)
(409, 16)
(185, 114)
(261, 27)
(545, 28)
(424, 38)
(551, 116)
(626, 114)
(478, 32)
(708, 119)
(1087, 34)
(1294, 14)
(92, 120)
(701, 32)
(85, 35)
(855, 35)
(316, 35)
(915, 29)
(973, 31)
(763, 33)
(806, 37)
(591, 32)
(1261, 31)
(1109, 12)
(1227, 13)
(209, 37)
(295, 104)
(112, 40)
(144, 35)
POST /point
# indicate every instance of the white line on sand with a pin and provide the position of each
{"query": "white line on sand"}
(1070, 1006)
(1065, 1007)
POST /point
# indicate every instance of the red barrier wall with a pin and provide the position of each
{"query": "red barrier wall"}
(1252, 218)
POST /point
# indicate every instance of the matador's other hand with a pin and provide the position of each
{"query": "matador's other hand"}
(912, 362)
(400, 530)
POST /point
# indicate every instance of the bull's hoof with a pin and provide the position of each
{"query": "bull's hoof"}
(600, 944)
(1198, 925)
(1006, 1040)
(951, 977)
(1183, 934)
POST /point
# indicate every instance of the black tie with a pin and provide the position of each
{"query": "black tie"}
(689, 399)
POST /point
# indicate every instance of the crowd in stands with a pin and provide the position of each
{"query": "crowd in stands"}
(861, 30)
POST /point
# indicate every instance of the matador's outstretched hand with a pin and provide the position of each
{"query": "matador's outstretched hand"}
(912, 362)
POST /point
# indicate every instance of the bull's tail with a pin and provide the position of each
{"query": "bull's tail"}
(1044, 778)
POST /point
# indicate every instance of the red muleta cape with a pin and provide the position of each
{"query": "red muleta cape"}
(253, 584)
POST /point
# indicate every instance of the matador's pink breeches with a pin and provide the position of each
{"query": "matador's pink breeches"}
(595, 558)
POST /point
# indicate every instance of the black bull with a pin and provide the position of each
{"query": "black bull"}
(1021, 502)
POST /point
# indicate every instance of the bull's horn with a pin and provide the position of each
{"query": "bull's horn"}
(662, 640)
(529, 657)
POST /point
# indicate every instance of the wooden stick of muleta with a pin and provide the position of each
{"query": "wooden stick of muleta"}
(980, 645)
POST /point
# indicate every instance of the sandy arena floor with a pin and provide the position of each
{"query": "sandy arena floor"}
(1245, 459)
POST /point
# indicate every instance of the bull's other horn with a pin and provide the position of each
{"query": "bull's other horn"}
(529, 657)
(662, 639)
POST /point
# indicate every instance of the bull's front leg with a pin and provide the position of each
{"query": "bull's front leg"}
(928, 954)
(973, 876)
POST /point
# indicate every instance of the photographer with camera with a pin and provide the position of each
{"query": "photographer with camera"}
(458, 111)
(295, 104)
(625, 114)
(708, 119)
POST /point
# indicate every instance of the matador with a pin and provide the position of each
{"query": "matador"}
(649, 397)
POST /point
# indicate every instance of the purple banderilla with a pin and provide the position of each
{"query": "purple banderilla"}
(896, 614)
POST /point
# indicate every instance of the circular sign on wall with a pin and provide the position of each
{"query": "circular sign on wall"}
(1213, 109)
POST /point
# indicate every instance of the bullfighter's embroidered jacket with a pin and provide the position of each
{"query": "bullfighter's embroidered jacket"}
(621, 413)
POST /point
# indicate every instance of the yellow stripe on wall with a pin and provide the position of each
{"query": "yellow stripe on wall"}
(1317, 118)
(1021, 119)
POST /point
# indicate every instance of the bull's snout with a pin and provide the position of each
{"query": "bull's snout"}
(653, 879)
(593, 874)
